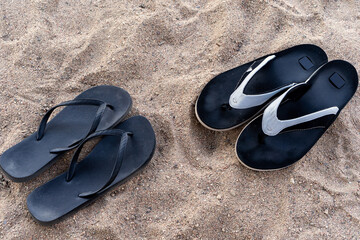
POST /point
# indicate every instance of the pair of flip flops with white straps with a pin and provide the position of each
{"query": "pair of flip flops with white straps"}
(287, 101)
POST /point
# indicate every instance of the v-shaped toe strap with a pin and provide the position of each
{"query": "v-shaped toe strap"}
(240, 100)
(117, 163)
(272, 125)
(99, 114)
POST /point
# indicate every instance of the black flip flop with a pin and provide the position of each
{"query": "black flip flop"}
(98, 108)
(285, 133)
(123, 151)
(234, 97)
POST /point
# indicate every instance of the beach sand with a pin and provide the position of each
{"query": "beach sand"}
(163, 53)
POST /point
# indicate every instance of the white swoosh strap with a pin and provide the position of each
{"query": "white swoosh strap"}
(240, 100)
(271, 125)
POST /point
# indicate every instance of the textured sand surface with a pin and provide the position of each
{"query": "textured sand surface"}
(163, 52)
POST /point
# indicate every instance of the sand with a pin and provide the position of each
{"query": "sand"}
(163, 52)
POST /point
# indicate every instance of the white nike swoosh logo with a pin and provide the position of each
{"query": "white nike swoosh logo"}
(240, 100)
(271, 125)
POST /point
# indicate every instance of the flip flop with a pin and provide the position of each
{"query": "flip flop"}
(98, 108)
(294, 122)
(236, 96)
(122, 152)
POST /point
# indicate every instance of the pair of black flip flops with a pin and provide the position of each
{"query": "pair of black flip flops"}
(125, 148)
(288, 100)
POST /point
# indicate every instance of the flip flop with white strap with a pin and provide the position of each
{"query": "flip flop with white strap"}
(294, 122)
(236, 96)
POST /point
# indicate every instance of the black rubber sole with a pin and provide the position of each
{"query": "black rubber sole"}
(56, 199)
(334, 84)
(30, 157)
(293, 65)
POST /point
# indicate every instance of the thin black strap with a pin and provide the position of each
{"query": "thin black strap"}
(118, 161)
(102, 106)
